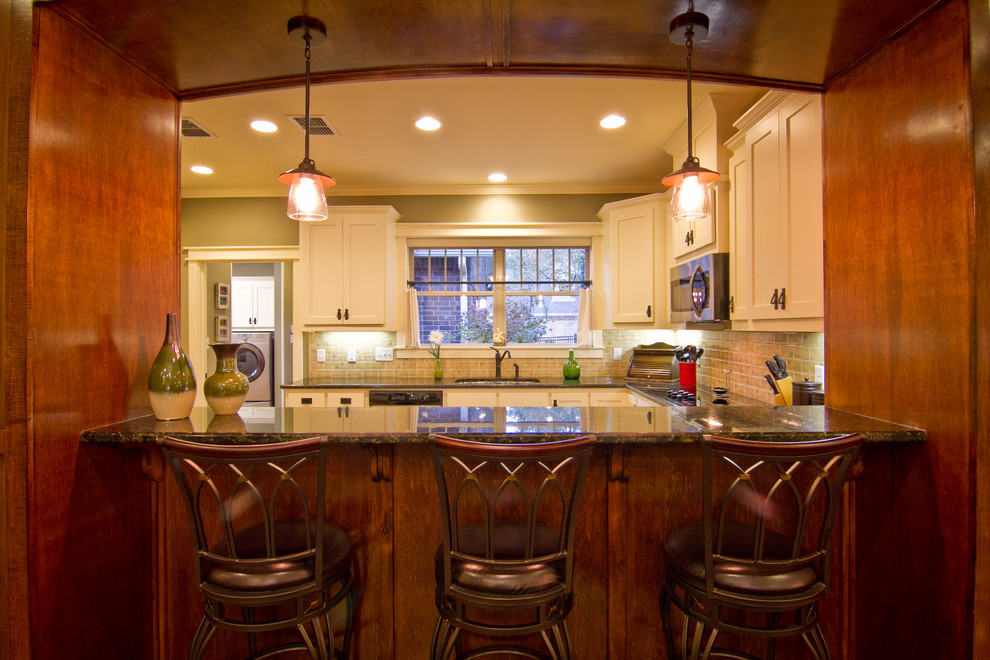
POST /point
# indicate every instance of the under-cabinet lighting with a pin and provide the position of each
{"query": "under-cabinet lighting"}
(201, 169)
(497, 177)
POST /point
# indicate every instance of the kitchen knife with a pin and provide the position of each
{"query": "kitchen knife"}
(773, 384)
(697, 356)
(781, 367)
(772, 366)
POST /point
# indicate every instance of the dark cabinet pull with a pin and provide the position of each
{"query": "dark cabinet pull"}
(649, 311)
(773, 299)
(338, 313)
(555, 403)
(347, 314)
(732, 303)
(783, 299)
(345, 400)
(306, 400)
(687, 238)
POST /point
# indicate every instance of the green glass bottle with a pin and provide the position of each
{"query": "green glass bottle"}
(572, 370)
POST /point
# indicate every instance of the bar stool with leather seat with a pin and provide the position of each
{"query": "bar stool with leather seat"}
(265, 558)
(506, 560)
(758, 563)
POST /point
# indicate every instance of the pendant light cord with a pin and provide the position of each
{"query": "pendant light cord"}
(308, 38)
(689, 35)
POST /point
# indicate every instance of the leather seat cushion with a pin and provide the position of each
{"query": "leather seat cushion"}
(510, 544)
(290, 537)
(684, 553)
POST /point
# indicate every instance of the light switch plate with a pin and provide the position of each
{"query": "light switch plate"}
(820, 374)
(383, 354)
(352, 355)
(321, 355)
(616, 353)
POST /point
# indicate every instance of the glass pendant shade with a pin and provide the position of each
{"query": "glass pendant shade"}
(691, 197)
(307, 201)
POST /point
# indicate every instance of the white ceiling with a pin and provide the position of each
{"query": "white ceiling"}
(542, 132)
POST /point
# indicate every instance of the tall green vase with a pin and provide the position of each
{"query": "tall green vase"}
(171, 383)
(227, 388)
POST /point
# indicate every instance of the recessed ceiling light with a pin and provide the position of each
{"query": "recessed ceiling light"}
(427, 124)
(612, 121)
(263, 126)
(497, 177)
(201, 169)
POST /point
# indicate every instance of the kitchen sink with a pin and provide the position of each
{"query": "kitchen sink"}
(498, 381)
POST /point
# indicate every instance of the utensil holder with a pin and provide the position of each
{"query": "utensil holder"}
(688, 376)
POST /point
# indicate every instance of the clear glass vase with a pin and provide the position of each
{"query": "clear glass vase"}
(437, 370)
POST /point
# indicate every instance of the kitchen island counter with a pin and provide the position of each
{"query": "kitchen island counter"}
(413, 424)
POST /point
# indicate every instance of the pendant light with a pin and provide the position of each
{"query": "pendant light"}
(691, 195)
(306, 184)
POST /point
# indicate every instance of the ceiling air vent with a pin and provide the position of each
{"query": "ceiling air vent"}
(191, 129)
(318, 125)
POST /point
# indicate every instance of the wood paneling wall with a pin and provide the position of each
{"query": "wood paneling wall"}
(102, 270)
(900, 286)
(15, 84)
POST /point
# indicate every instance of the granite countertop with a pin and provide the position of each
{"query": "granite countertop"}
(413, 424)
(399, 383)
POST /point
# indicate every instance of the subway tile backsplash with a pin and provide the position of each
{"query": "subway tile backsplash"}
(741, 353)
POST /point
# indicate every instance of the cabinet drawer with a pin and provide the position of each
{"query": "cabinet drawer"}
(540, 398)
(470, 398)
(353, 398)
(610, 398)
(564, 398)
(299, 399)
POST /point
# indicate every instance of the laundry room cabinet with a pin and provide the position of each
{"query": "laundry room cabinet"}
(252, 304)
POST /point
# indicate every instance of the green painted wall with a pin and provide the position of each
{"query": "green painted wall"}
(262, 220)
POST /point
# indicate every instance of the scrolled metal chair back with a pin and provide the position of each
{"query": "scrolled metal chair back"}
(487, 489)
(230, 489)
(778, 490)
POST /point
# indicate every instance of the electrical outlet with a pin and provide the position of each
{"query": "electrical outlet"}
(321, 355)
(352, 355)
(820, 374)
(616, 353)
(383, 355)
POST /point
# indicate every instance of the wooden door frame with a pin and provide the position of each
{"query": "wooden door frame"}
(196, 320)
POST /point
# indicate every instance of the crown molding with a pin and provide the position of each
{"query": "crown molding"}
(339, 190)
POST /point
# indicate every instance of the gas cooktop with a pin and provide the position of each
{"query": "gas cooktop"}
(671, 395)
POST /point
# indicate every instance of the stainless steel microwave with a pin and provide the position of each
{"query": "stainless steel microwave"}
(699, 290)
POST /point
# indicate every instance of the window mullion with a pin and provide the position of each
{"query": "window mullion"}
(498, 291)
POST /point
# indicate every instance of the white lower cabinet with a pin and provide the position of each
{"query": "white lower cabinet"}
(326, 398)
(572, 398)
(470, 398)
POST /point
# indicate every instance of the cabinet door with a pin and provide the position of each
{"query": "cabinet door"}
(801, 146)
(633, 257)
(364, 270)
(528, 397)
(320, 254)
(741, 238)
(263, 295)
(767, 223)
(241, 305)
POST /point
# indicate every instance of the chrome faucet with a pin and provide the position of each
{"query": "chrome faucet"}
(498, 360)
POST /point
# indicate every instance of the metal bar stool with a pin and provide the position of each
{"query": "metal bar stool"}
(505, 565)
(265, 558)
(758, 563)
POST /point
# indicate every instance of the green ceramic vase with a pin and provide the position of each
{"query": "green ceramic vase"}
(171, 383)
(437, 370)
(227, 388)
(572, 370)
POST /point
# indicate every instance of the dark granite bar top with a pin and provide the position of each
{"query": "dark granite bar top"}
(413, 424)
(391, 382)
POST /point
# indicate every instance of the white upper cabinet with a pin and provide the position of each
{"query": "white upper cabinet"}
(776, 272)
(346, 269)
(712, 125)
(635, 263)
(252, 304)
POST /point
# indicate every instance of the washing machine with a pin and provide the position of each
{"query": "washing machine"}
(254, 360)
